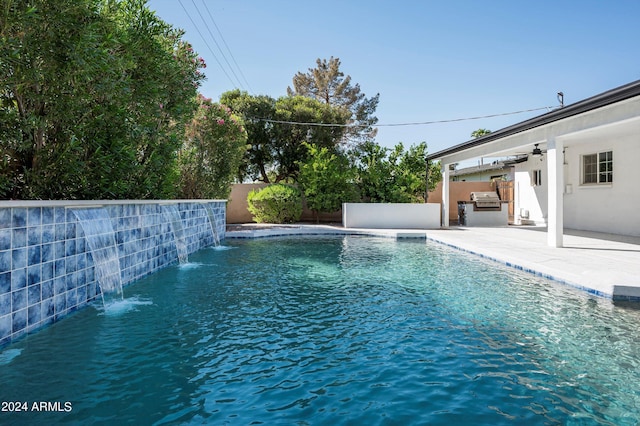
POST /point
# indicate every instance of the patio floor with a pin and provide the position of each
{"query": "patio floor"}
(603, 264)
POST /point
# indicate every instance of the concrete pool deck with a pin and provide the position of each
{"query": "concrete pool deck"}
(606, 265)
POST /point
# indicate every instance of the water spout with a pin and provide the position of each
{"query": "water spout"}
(212, 222)
(172, 215)
(100, 237)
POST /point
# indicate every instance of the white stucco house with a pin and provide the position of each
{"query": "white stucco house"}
(582, 169)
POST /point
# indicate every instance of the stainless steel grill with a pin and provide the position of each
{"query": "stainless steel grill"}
(485, 200)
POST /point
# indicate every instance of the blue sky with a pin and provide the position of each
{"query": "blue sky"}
(428, 60)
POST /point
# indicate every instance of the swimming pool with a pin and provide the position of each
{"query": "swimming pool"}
(339, 330)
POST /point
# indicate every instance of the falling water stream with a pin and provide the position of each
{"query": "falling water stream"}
(98, 231)
(212, 222)
(172, 215)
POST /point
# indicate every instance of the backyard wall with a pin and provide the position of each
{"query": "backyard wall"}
(391, 215)
(237, 207)
(46, 266)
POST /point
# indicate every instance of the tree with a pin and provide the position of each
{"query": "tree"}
(326, 179)
(94, 95)
(394, 176)
(274, 135)
(254, 110)
(46, 94)
(409, 172)
(212, 152)
(164, 74)
(291, 137)
(327, 84)
(374, 174)
(479, 133)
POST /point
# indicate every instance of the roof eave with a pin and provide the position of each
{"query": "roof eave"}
(609, 97)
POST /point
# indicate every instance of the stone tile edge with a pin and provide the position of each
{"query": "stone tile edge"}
(532, 271)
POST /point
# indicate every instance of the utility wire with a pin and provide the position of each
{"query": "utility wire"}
(227, 46)
(423, 123)
(217, 45)
(207, 44)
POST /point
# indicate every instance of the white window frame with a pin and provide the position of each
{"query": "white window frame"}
(599, 172)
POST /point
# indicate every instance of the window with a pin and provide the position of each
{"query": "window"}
(597, 168)
(605, 166)
(536, 178)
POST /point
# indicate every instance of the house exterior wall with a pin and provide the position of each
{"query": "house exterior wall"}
(484, 176)
(609, 121)
(474, 177)
(611, 208)
(529, 196)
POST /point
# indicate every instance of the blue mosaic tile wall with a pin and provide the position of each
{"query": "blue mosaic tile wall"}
(46, 267)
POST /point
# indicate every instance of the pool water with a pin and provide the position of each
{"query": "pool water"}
(334, 330)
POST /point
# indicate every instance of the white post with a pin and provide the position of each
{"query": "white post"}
(445, 195)
(555, 185)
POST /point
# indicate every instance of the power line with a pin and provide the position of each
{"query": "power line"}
(207, 44)
(217, 45)
(422, 123)
(227, 46)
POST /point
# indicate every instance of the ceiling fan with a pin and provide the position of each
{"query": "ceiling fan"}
(537, 152)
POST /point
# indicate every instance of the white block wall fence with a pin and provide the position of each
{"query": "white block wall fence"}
(391, 215)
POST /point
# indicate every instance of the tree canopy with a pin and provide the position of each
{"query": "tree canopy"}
(259, 157)
(393, 175)
(328, 84)
(290, 138)
(94, 95)
(479, 133)
(98, 99)
(212, 152)
(327, 180)
(278, 129)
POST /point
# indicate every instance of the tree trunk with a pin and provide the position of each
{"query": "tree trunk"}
(263, 172)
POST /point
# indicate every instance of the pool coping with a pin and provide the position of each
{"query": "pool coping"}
(250, 231)
(527, 252)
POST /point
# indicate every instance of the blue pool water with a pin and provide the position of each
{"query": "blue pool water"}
(339, 330)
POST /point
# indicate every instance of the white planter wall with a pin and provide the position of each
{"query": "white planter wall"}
(391, 215)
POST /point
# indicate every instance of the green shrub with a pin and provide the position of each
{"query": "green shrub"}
(277, 203)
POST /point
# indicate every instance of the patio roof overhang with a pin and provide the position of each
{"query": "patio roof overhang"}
(503, 143)
(604, 115)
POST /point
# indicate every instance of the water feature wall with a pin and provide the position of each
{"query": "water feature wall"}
(46, 267)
